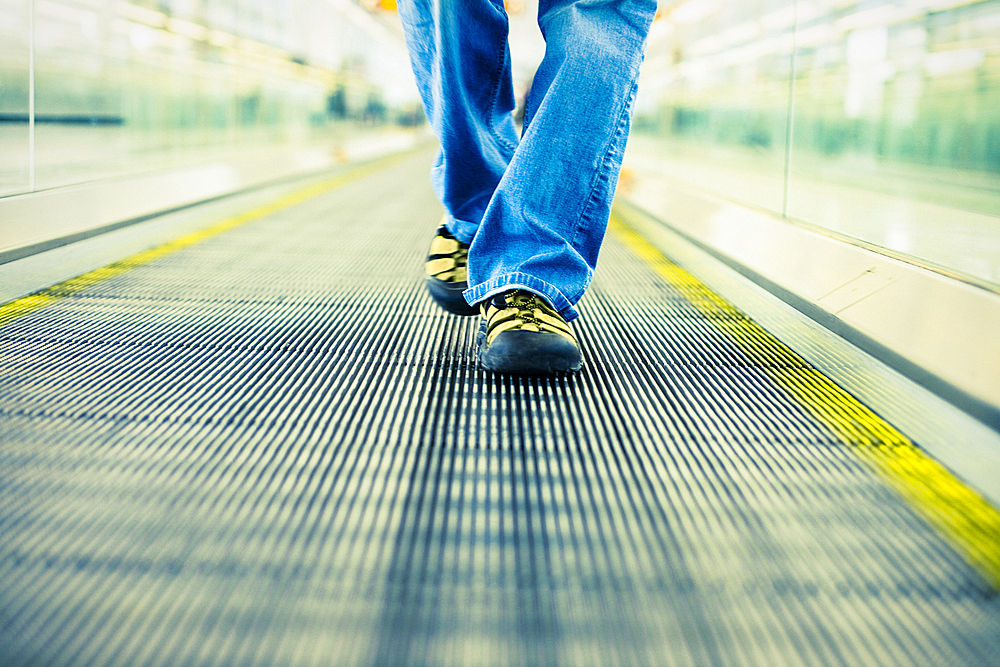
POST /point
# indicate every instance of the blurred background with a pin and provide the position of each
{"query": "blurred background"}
(120, 87)
(875, 120)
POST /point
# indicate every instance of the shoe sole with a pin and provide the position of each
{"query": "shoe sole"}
(529, 353)
(449, 296)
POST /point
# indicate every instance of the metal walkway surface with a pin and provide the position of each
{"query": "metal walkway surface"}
(263, 444)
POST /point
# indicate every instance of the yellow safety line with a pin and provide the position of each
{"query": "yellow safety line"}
(968, 520)
(45, 297)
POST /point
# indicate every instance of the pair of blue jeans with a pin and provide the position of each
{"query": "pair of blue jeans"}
(534, 207)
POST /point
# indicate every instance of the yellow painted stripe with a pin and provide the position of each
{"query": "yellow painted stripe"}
(964, 517)
(33, 302)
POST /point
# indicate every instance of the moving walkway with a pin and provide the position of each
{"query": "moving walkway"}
(262, 444)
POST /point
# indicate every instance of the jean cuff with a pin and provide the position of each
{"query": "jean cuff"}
(509, 281)
(461, 230)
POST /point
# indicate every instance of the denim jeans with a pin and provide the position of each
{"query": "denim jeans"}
(533, 207)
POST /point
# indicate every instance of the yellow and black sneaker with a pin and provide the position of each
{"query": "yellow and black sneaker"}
(446, 272)
(521, 333)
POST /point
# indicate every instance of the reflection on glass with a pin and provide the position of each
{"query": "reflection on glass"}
(14, 58)
(897, 129)
(713, 100)
(895, 121)
(130, 86)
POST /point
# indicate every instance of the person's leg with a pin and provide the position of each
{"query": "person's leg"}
(546, 220)
(459, 53)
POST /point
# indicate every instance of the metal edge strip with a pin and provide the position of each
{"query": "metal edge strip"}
(27, 250)
(982, 410)
(966, 519)
(42, 298)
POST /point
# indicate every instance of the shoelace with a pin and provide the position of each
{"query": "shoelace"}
(526, 303)
(521, 309)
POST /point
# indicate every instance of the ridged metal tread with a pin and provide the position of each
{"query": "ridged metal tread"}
(271, 448)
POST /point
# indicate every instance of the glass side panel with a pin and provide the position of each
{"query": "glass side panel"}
(895, 132)
(14, 58)
(897, 129)
(126, 87)
(713, 98)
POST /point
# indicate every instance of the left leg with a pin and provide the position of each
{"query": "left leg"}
(461, 61)
(458, 50)
(543, 228)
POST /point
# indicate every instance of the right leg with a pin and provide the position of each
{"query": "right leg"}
(459, 53)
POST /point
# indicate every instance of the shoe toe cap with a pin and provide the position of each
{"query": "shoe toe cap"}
(531, 352)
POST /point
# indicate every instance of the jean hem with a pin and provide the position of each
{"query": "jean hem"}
(509, 281)
(461, 230)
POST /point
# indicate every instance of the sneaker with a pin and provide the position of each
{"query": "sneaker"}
(446, 272)
(522, 333)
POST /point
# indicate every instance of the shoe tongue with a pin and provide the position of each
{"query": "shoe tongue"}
(525, 299)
